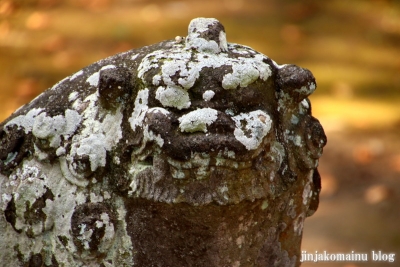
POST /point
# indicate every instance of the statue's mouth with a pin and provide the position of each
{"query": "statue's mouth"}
(204, 178)
(201, 166)
(195, 156)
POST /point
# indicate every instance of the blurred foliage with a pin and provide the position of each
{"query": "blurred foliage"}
(351, 47)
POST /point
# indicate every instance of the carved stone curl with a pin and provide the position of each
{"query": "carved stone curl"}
(190, 152)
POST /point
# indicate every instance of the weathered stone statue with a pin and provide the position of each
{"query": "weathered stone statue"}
(190, 152)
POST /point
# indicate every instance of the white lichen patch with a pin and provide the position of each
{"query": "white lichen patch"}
(134, 170)
(251, 128)
(111, 128)
(25, 121)
(137, 119)
(307, 89)
(93, 79)
(31, 184)
(223, 190)
(294, 138)
(297, 140)
(180, 67)
(10, 157)
(194, 39)
(298, 224)
(246, 71)
(36, 182)
(159, 110)
(40, 155)
(177, 174)
(77, 74)
(222, 162)
(141, 101)
(229, 112)
(283, 100)
(53, 128)
(306, 194)
(150, 136)
(294, 119)
(305, 104)
(238, 49)
(73, 96)
(68, 171)
(277, 152)
(5, 198)
(109, 232)
(85, 236)
(197, 120)
(180, 61)
(208, 95)
(96, 137)
(264, 204)
(92, 146)
(134, 56)
(304, 107)
(95, 198)
(241, 75)
(121, 213)
(172, 96)
(307, 191)
(80, 198)
(226, 154)
(106, 195)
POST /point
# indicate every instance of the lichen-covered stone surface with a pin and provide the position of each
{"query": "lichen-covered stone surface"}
(190, 152)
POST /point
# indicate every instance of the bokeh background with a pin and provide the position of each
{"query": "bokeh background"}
(352, 48)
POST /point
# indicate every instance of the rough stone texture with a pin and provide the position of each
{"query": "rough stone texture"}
(190, 152)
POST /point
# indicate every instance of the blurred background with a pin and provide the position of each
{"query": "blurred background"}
(352, 48)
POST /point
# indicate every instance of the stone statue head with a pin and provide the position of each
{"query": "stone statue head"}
(193, 121)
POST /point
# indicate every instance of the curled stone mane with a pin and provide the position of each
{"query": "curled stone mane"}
(161, 156)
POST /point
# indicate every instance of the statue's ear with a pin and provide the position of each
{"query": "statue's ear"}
(115, 86)
(296, 82)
